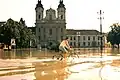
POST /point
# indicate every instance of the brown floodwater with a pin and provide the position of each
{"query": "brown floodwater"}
(86, 68)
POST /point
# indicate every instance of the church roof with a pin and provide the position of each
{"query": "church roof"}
(50, 9)
(82, 32)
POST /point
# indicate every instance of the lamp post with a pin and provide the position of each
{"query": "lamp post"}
(100, 18)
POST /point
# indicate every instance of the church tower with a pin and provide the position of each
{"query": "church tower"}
(61, 11)
(39, 11)
(50, 29)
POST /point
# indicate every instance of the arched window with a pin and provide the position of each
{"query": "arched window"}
(39, 16)
(61, 16)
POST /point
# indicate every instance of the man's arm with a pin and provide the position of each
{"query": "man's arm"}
(67, 44)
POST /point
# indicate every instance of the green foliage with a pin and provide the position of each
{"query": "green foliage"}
(18, 31)
(54, 46)
(114, 35)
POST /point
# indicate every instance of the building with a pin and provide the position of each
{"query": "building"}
(1, 23)
(50, 28)
(84, 38)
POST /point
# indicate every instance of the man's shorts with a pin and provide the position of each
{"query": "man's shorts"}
(63, 49)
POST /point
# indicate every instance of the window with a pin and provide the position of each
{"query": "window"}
(88, 43)
(79, 44)
(61, 29)
(84, 44)
(78, 38)
(71, 38)
(93, 37)
(70, 43)
(88, 37)
(50, 31)
(39, 16)
(83, 37)
(98, 38)
(61, 16)
(74, 38)
(39, 29)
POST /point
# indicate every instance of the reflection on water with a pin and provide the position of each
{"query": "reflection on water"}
(109, 70)
(51, 70)
(116, 63)
(19, 53)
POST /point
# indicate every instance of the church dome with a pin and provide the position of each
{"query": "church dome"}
(51, 10)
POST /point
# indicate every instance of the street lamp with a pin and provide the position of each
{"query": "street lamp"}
(100, 18)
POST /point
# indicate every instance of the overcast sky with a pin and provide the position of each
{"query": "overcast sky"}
(80, 14)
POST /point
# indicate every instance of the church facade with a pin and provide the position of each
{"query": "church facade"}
(50, 28)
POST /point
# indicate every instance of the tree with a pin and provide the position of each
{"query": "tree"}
(16, 30)
(26, 35)
(114, 35)
(9, 30)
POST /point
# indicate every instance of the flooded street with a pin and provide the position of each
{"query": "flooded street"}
(37, 68)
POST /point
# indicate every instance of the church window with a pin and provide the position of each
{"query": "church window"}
(39, 16)
(83, 43)
(39, 29)
(50, 17)
(93, 37)
(61, 29)
(50, 31)
(61, 16)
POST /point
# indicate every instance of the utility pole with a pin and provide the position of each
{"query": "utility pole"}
(101, 37)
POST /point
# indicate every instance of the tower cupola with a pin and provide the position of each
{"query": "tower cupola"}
(39, 4)
(39, 11)
(61, 5)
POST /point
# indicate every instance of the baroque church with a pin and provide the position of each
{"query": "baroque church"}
(50, 28)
